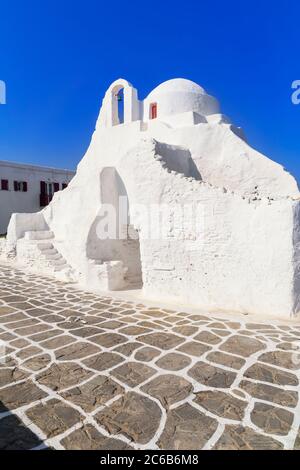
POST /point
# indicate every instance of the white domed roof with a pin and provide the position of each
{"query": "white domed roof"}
(177, 85)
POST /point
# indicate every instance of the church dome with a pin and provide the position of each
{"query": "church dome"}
(177, 96)
(181, 85)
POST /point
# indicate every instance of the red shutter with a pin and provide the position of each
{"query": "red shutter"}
(43, 195)
(4, 185)
(25, 186)
(153, 111)
(56, 187)
(16, 186)
(43, 187)
(44, 201)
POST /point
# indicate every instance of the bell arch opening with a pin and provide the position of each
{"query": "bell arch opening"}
(118, 105)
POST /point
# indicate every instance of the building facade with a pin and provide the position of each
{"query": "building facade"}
(28, 188)
(238, 251)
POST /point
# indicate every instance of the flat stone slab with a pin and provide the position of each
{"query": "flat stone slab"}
(208, 337)
(88, 438)
(86, 332)
(54, 417)
(103, 361)
(55, 343)
(173, 361)
(194, 348)
(186, 429)
(168, 389)
(38, 362)
(272, 420)
(282, 359)
(228, 360)
(63, 375)
(7, 376)
(19, 395)
(242, 345)
(133, 373)
(269, 393)
(236, 437)
(133, 415)
(77, 350)
(163, 341)
(221, 404)
(270, 374)
(108, 340)
(146, 354)
(211, 376)
(94, 393)
(127, 348)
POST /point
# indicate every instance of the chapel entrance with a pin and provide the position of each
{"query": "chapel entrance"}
(112, 236)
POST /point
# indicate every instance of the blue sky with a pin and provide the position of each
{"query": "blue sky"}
(58, 58)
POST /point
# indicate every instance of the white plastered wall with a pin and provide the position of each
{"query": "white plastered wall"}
(246, 260)
(241, 262)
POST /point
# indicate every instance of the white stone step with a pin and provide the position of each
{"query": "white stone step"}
(52, 256)
(49, 251)
(38, 235)
(44, 245)
(58, 262)
(60, 267)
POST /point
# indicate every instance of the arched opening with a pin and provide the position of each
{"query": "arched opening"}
(153, 111)
(118, 109)
(114, 238)
(120, 98)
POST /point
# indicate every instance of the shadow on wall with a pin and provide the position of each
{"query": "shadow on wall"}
(14, 435)
(178, 159)
(108, 238)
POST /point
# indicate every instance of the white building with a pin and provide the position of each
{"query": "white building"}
(28, 188)
(174, 149)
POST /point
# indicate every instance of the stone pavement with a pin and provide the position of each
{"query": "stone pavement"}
(83, 371)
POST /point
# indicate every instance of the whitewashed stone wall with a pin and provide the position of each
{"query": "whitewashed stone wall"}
(243, 256)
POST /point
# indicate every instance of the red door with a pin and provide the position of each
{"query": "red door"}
(153, 112)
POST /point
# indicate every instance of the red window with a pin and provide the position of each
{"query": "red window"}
(64, 185)
(153, 110)
(44, 201)
(4, 185)
(56, 187)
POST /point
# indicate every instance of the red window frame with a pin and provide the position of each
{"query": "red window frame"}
(153, 110)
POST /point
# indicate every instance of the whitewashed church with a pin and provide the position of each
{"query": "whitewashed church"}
(170, 198)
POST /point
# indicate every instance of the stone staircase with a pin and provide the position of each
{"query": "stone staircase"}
(37, 251)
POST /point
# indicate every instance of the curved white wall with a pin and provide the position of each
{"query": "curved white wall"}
(177, 102)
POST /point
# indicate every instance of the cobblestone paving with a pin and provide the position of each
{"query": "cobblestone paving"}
(80, 371)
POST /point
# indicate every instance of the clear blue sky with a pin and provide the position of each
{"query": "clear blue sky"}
(58, 58)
